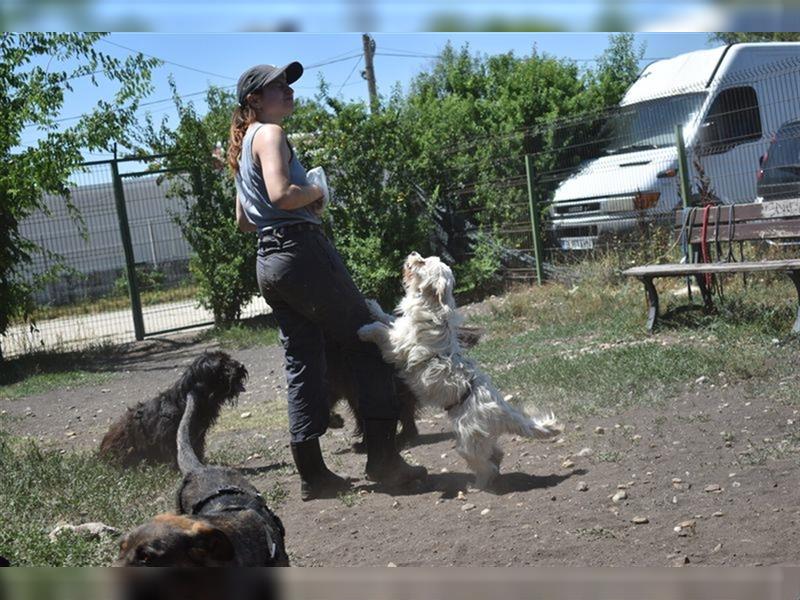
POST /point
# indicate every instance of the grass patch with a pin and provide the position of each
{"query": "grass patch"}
(44, 382)
(609, 456)
(41, 371)
(40, 488)
(249, 333)
(114, 302)
(276, 495)
(271, 414)
(349, 498)
(582, 349)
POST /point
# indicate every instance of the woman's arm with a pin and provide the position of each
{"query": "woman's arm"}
(273, 152)
(241, 218)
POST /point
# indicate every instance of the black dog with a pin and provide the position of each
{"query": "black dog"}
(222, 520)
(147, 432)
(342, 385)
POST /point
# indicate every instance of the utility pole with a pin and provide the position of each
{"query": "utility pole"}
(369, 71)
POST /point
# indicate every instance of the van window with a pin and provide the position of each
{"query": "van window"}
(733, 118)
(650, 123)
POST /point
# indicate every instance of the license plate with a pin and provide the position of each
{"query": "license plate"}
(577, 244)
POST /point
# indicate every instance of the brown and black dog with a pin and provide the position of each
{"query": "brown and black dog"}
(147, 431)
(222, 519)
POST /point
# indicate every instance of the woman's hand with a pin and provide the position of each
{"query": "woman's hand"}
(319, 204)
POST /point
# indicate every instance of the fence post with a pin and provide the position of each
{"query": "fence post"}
(127, 246)
(683, 167)
(535, 220)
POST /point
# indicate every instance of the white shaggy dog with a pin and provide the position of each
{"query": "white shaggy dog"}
(422, 344)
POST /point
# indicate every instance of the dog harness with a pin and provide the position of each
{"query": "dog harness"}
(230, 490)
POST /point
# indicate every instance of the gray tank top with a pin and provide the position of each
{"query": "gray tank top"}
(252, 190)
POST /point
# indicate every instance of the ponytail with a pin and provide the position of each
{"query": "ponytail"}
(241, 120)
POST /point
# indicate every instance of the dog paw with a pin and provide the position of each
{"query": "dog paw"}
(377, 312)
(369, 333)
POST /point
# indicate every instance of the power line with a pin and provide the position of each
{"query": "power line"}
(167, 61)
(332, 60)
(358, 62)
(408, 55)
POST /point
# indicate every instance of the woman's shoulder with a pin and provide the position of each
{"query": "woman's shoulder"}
(268, 134)
(268, 129)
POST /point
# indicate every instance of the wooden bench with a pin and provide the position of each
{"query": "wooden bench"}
(778, 220)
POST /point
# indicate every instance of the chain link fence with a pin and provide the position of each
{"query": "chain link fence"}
(119, 222)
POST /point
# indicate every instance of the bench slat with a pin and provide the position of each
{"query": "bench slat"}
(695, 268)
(766, 230)
(777, 209)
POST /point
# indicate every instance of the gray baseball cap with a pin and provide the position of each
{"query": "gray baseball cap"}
(257, 77)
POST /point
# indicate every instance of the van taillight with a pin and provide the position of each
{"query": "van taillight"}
(763, 160)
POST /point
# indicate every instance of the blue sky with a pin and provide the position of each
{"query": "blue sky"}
(333, 15)
(197, 60)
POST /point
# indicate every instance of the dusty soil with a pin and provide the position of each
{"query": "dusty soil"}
(721, 460)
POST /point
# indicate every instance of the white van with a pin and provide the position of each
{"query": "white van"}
(730, 101)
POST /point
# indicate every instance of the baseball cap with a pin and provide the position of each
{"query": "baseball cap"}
(257, 77)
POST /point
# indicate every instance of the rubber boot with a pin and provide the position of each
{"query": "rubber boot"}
(316, 481)
(384, 463)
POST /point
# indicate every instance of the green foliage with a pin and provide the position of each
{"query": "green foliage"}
(380, 216)
(223, 260)
(439, 169)
(482, 272)
(147, 278)
(33, 87)
(738, 37)
(617, 68)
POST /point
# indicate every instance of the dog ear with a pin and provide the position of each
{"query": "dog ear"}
(443, 287)
(210, 545)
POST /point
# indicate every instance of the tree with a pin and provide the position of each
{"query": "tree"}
(737, 37)
(33, 86)
(617, 68)
(223, 259)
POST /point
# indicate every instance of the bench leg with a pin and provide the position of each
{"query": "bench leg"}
(652, 303)
(705, 292)
(795, 277)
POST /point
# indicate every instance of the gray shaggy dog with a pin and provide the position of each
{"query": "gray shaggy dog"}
(148, 431)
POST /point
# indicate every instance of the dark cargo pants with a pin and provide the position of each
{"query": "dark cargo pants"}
(303, 279)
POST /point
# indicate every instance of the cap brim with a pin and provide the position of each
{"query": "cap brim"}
(294, 70)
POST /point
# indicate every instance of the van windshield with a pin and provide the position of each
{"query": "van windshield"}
(649, 124)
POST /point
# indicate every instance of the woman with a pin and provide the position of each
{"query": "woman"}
(304, 280)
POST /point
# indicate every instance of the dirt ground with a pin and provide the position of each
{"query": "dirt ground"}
(718, 463)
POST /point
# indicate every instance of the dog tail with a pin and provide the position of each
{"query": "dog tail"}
(543, 427)
(187, 459)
